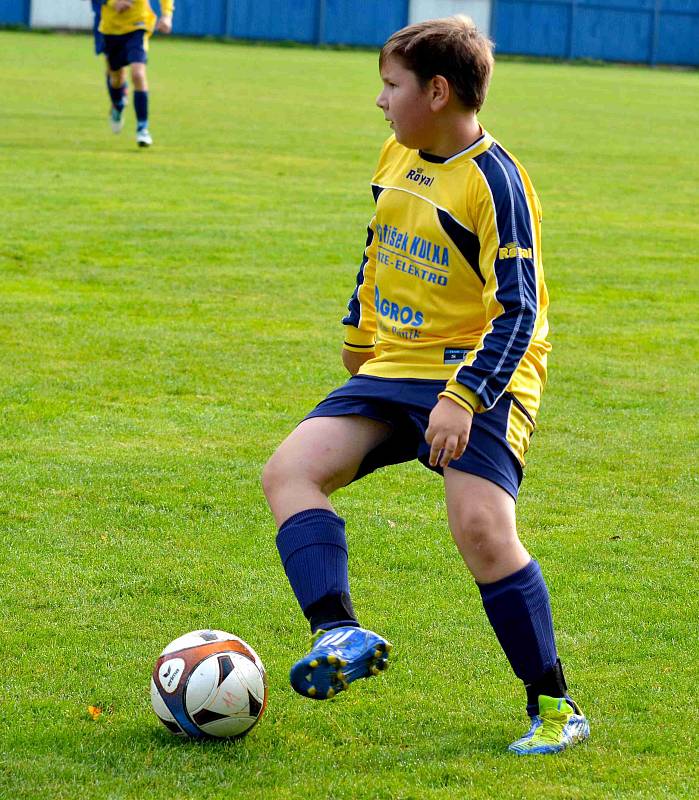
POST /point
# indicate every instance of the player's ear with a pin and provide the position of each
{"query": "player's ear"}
(440, 91)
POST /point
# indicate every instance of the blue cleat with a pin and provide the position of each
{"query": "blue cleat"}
(559, 724)
(338, 657)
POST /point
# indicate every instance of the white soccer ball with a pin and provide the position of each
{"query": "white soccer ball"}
(208, 683)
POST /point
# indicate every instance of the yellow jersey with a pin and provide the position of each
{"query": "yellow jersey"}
(451, 286)
(140, 16)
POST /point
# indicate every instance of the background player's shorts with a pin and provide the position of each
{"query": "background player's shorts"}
(406, 405)
(128, 48)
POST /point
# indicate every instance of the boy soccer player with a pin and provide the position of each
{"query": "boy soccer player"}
(99, 49)
(445, 341)
(127, 26)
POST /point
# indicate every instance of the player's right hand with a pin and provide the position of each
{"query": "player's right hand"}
(164, 25)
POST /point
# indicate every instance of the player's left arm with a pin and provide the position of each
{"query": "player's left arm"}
(508, 261)
(167, 8)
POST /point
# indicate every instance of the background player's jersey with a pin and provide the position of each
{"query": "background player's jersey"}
(451, 286)
(140, 17)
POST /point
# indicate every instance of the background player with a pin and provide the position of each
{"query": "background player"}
(446, 342)
(127, 26)
(99, 48)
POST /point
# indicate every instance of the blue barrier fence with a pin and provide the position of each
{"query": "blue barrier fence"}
(15, 12)
(643, 31)
(351, 22)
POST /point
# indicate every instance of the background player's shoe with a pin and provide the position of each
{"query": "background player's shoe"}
(116, 119)
(143, 138)
(338, 657)
(559, 724)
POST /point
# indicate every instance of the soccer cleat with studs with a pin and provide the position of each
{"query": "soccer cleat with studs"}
(558, 725)
(338, 657)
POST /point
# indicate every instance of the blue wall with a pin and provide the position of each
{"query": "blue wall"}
(644, 31)
(650, 31)
(14, 12)
(354, 22)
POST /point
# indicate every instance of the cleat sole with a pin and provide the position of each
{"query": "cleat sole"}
(323, 674)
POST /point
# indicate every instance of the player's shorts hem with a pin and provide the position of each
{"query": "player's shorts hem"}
(405, 406)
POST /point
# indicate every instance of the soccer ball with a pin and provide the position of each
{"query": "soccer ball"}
(208, 684)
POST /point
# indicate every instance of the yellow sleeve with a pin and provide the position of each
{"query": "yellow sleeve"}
(167, 8)
(360, 322)
(506, 225)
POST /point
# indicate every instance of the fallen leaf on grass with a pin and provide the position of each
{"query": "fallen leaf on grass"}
(94, 711)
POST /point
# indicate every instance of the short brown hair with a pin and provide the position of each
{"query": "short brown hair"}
(452, 47)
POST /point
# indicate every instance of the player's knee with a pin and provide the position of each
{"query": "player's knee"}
(274, 474)
(483, 534)
(138, 76)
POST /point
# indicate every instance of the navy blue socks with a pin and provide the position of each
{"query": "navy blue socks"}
(519, 610)
(140, 105)
(117, 95)
(313, 549)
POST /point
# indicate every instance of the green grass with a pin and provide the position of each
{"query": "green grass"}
(165, 319)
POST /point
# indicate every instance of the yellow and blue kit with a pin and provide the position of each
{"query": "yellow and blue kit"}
(451, 286)
(139, 17)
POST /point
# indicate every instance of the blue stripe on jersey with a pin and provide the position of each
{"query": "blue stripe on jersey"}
(466, 242)
(507, 342)
(354, 307)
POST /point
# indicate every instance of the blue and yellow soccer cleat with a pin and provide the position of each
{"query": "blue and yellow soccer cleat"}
(338, 657)
(559, 724)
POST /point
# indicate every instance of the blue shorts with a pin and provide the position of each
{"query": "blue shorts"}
(406, 405)
(128, 48)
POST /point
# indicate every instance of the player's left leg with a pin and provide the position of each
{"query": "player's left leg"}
(516, 600)
(140, 103)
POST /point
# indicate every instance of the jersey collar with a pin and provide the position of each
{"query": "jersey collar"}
(482, 143)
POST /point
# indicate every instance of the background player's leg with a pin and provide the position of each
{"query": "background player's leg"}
(515, 596)
(116, 84)
(123, 88)
(140, 102)
(321, 455)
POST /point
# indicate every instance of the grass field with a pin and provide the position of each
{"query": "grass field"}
(165, 319)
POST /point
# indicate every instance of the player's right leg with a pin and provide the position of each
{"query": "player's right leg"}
(116, 84)
(321, 455)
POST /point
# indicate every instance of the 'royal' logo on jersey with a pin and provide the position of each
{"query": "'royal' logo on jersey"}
(513, 250)
(418, 175)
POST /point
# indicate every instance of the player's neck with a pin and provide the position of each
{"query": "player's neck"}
(454, 134)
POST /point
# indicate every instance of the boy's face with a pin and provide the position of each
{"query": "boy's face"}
(406, 105)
